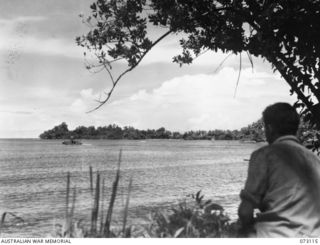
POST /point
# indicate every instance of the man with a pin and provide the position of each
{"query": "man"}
(283, 182)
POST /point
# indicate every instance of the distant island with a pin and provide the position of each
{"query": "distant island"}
(251, 133)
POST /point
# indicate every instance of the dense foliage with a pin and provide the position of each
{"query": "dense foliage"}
(284, 32)
(195, 219)
(58, 132)
(252, 132)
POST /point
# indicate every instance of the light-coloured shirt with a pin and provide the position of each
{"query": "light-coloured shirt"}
(284, 184)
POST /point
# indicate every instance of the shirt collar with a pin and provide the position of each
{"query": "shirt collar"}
(286, 138)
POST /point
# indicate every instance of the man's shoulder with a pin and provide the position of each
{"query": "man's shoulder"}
(260, 155)
(284, 150)
(267, 152)
(289, 146)
(264, 150)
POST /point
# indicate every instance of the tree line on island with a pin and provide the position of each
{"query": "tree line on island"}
(253, 132)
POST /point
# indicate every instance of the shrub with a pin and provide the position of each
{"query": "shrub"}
(195, 219)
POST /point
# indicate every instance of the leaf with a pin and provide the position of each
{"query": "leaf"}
(93, 6)
(125, 214)
(178, 232)
(107, 232)
(213, 207)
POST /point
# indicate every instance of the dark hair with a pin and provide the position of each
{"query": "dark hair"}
(282, 117)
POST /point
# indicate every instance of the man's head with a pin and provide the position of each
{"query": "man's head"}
(280, 119)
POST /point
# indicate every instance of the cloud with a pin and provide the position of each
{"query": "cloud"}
(193, 102)
(22, 19)
(86, 100)
(16, 37)
(47, 35)
(29, 44)
(188, 102)
(18, 112)
(87, 93)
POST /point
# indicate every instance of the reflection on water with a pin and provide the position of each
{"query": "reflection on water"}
(33, 177)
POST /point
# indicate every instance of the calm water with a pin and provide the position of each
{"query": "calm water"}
(33, 177)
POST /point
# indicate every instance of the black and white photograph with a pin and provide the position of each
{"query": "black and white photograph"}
(159, 119)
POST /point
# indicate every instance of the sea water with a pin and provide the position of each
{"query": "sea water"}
(33, 178)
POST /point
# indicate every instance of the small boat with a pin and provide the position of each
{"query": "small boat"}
(72, 142)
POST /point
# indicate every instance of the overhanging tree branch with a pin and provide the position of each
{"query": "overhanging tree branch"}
(293, 86)
(116, 81)
(307, 82)
(286, 33)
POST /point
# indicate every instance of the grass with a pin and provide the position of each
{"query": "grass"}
(16, 219)
(100, 224)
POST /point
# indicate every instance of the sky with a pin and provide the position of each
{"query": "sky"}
(44, 82)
